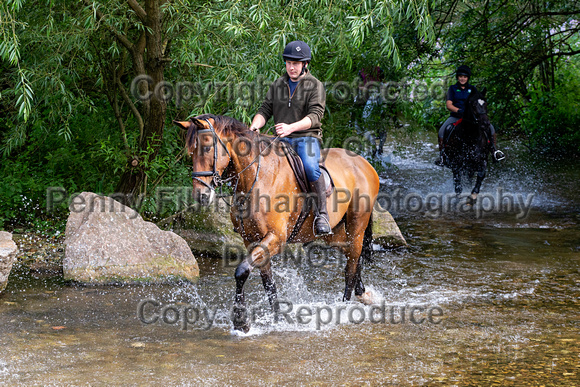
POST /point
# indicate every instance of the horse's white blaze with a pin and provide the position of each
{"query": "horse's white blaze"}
(481, 102)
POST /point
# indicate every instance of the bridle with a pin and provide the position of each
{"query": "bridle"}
(217, 179)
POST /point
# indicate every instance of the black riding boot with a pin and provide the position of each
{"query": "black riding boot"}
(497, 154)
(440, 161)
(321, 222)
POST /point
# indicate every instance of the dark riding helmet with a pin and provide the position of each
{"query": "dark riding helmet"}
(463, 70)
(297, 51)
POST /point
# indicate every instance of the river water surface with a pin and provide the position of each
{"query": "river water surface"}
(478, 298)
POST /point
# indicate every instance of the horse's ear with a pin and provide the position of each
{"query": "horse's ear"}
(198, 123)
(182, 124)
(484, 92)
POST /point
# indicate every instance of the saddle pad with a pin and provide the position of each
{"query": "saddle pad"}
(449, 130)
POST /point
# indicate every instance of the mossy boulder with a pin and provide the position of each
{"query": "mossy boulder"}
(386, 233)
(107, 242)
(208, 231)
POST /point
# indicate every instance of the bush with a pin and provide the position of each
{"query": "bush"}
(551, 118)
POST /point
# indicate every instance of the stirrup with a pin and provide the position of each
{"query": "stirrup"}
(329, 232)
(498, 155)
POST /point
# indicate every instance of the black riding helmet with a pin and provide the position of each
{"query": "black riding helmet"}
(297, 51)
(463, 70)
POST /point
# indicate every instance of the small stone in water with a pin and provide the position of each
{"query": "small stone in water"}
(138, 345)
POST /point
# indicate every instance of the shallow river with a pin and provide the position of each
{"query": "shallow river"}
(488, 296)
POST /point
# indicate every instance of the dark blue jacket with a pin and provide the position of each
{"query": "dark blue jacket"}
(458, 96)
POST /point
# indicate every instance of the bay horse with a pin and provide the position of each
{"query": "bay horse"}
(267, 200)
(467, 145)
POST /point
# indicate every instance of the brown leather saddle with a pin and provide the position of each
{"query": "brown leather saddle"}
(300, 174)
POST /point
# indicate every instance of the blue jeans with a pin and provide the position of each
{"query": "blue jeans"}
(308, 148)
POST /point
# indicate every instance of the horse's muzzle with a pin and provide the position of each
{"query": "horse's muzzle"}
(204, 197)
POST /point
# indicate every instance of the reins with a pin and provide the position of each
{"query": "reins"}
(217, 179)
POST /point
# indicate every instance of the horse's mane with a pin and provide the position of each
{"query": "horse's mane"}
(225, 126)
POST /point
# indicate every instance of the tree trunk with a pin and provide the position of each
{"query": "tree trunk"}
(148, 58)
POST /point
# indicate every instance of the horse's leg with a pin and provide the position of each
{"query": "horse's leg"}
(269, 284)
(359, 287)
(480, 176)
(366, 255)
(382, 140)
(352, 253)
(259, 257)
(457, 181)
(355, 230)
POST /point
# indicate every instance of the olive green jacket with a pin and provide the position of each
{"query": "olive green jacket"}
(308, 100)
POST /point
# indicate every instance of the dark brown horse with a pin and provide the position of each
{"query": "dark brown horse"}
(467, 146)
(267, 199)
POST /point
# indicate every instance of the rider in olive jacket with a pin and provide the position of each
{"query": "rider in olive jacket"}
(307, 100)
(297, 101)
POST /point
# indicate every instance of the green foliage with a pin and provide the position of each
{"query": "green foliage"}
(67, 117)
(91, 161)
(551, 117)
(10, 52)
(517, 50)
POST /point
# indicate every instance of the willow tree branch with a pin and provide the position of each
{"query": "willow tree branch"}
(120, 37)
(132, 106)
(135, 6)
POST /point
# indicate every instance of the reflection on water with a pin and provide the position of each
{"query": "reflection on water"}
(508, 288)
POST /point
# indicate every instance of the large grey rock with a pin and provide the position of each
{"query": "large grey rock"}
(208, 231)
(386, 233)
(107, 242)
(8, 251)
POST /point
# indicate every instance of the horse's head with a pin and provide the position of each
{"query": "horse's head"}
(209, 153)
(476, 110)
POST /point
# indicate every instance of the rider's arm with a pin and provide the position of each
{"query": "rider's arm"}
(266, 110)
(316, 105)
(452, 108)
(283, 129)
(316, 97)
(258, 122)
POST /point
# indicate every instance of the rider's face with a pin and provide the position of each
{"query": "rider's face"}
(462, 79)
(294, 69)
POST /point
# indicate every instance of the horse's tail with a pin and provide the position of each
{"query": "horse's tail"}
(367, 247)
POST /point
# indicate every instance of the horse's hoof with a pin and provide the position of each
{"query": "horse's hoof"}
(471, 200)
(245, 327)
(240, 318)
(367, 298)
